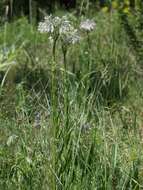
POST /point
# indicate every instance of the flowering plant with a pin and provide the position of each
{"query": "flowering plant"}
(59, 28)
(87, 25)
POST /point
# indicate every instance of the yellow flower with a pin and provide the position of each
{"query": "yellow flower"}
(127, 2)
(126, 10)
(114, 5)
(105, 9)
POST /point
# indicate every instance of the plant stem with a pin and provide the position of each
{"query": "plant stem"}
(54, 48)
(53, 113)
(66, 86)
(89, 51)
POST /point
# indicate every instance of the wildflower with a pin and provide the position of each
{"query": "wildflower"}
(59, 28)
(56, 25)
(68, 34)
(46, 26)
(56, 21)
(70, 37)
(87, 25)
(49, 25)
(75, 37)
(105, 9)
(114, 5)
(66, 27)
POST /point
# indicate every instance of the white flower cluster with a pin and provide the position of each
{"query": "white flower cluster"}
(49, 25)
(70, 38)
(60, 27)
(87, 25)
(63, 29)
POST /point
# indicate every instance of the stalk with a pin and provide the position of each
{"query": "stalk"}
(53, 113)
(89, 51)
(54, 48)
(66, 89)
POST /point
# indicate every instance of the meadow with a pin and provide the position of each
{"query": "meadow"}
(71, 104)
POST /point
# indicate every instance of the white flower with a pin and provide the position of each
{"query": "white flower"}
(68, 34)
(87, 25)
(46, 26)
(70, 37)
(56, 21)
(66, 27)
(49, 25)
(74, 37)
(59, 27)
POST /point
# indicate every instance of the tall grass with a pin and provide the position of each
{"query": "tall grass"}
(90, 132)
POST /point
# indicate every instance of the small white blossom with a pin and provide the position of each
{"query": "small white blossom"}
(56, 21)
(68, 34)
(66, 27)
(75, 37)
(46, 26)
(71, 37)
(49, 25)
(87, 25)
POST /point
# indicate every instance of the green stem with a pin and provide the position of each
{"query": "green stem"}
(54, 48)
(53, 113)
(66, 87)
(89, 49)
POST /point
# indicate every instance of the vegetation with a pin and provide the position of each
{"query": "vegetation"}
(71, 100)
